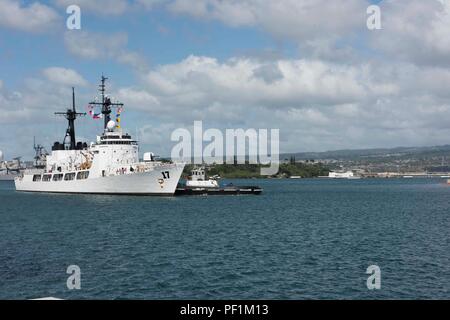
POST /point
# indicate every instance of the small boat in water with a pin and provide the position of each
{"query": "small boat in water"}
(197, 184)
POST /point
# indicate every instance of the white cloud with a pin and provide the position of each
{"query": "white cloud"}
(133, 59)
(139, 99)
(201, 81)
(110, 7)
(39, 96)
(317, 105)
(29, 111)
(150, 4)
(91, 45)
(104, 7)
(234, 13)
(35, 17)
(415, 30)
(64, 76)
(309, 23)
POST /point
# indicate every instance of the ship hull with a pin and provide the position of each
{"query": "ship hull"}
(155, 182)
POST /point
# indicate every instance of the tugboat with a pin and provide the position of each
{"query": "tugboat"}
(110, 165)
(197, 184)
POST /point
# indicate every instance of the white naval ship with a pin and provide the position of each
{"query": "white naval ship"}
(110, 165)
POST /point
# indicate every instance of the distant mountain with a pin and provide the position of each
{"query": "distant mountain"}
(366, 154)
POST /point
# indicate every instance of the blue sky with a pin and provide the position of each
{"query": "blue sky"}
(160, 36)
(309, 68)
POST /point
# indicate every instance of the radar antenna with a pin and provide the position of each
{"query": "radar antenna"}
(106, 103)
(71, 115)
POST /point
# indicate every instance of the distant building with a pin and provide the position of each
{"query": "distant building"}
(341, 175)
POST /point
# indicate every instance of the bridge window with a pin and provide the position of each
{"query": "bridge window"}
(37, 177)
(82, 175)
(58, 177)
(69, 176)
(47, 177)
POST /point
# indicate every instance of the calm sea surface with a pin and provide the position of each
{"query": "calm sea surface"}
(300, 239)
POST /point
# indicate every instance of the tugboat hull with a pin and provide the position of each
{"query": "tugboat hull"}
(186, 191)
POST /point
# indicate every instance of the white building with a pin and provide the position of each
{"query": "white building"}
(341, 175)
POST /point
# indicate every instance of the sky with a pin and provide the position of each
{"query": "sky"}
(310, 68)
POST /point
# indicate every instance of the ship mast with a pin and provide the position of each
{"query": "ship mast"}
(40, 154)
(106, 103)
(71, 115)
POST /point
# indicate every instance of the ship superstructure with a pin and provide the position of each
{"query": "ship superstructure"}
(110, 165)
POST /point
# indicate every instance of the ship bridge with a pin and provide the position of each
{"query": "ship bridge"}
(116, 137)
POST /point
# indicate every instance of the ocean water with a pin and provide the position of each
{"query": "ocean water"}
(300, 239)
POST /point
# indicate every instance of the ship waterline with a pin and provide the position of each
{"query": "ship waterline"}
(161, 180)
